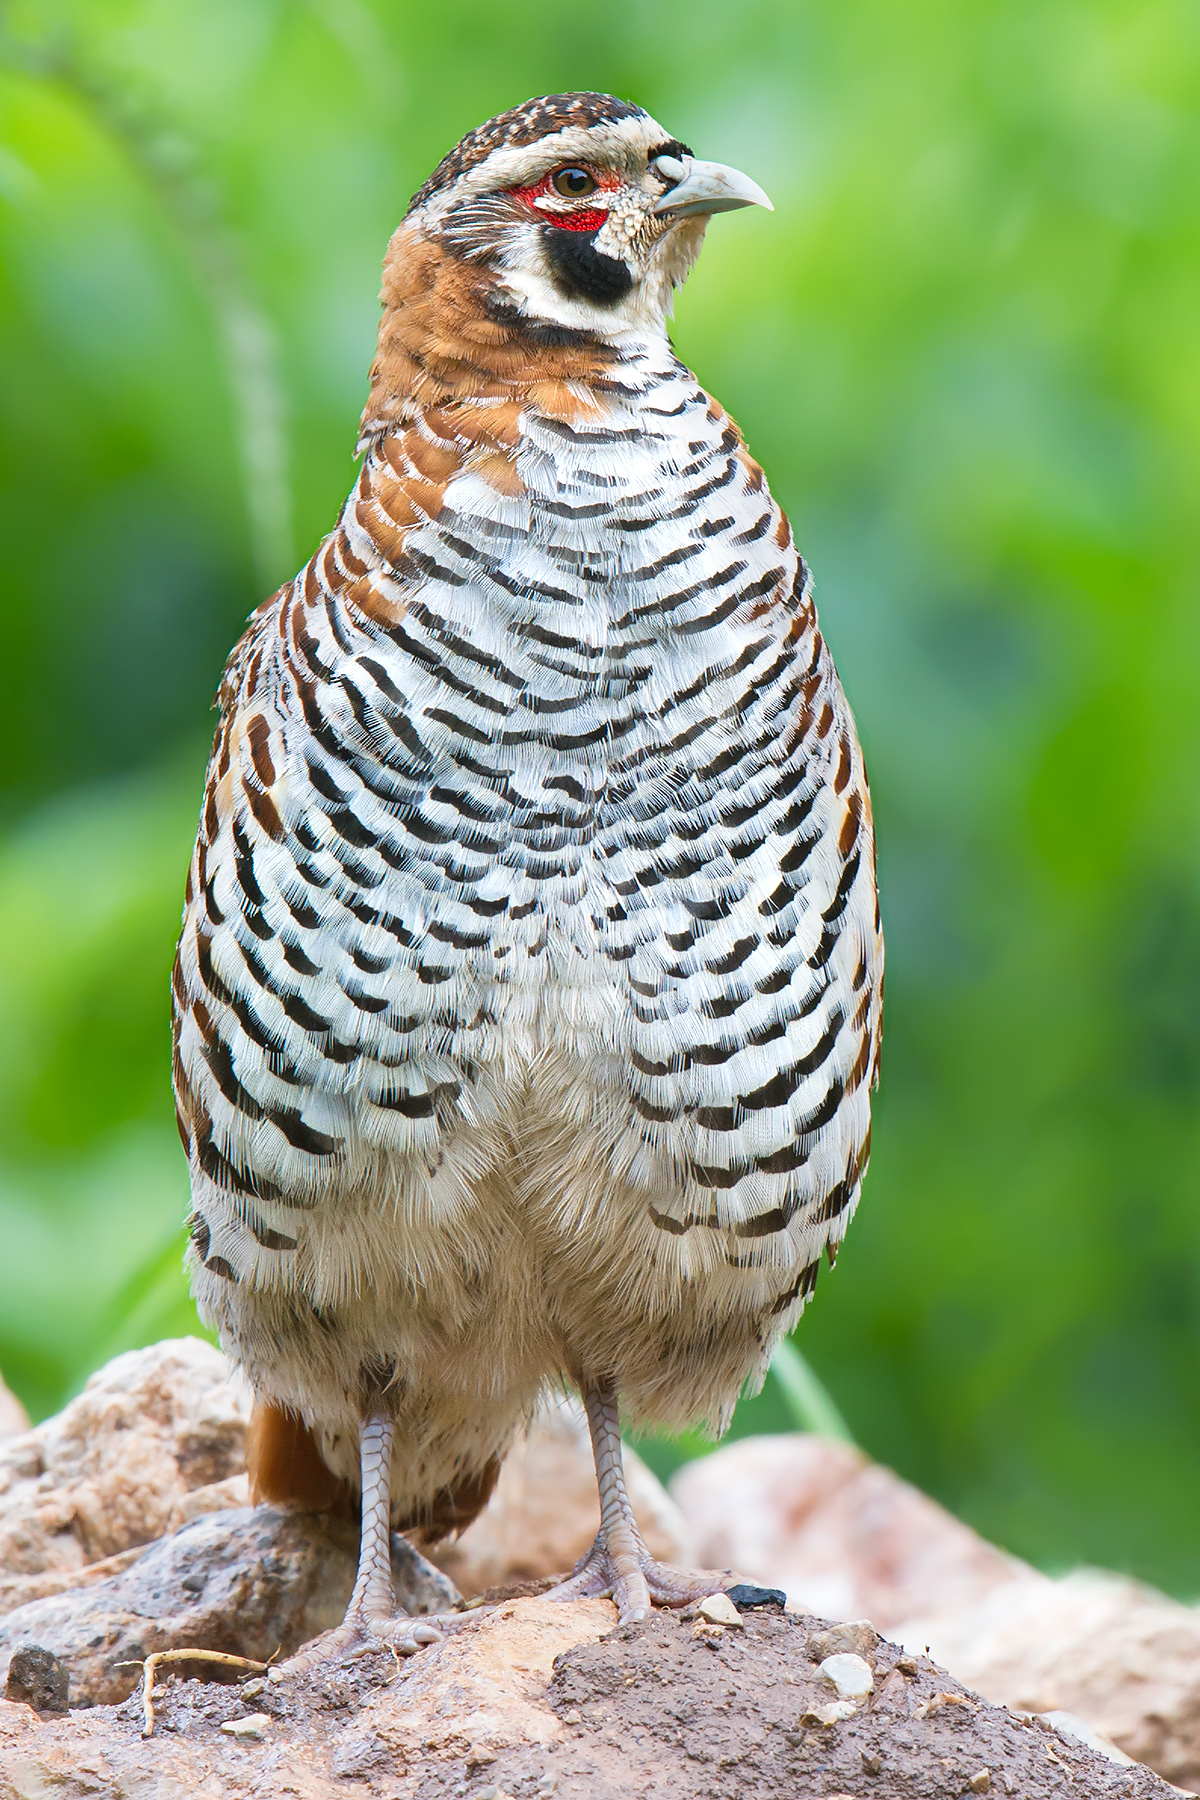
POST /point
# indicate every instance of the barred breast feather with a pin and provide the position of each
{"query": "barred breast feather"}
(528, 996)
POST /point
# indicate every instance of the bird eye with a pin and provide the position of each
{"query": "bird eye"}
(572, 184)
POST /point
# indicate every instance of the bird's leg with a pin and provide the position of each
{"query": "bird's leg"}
(618, 1562)
(373, 1604)
(618, 1532)
(372, 1622)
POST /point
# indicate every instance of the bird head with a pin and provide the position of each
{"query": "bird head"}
(583, 211)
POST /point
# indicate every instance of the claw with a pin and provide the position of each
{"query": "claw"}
(635, 1594)
(362, 1633)
(416, 1637)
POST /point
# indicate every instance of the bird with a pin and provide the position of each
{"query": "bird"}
(528, 999)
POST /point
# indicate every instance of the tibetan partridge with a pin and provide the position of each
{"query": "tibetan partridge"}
(528, 998)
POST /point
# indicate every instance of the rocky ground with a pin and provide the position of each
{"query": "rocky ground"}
(539, 1698)
(125, 1529)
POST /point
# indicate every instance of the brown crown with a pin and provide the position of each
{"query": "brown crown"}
(523, 125)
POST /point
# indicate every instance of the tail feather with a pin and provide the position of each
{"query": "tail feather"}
(287, 1469)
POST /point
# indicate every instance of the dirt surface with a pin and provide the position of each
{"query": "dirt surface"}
(666, 1714)
(1120, 1655)
(539, 1698)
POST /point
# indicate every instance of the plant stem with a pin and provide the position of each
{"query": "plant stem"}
(809, 1401)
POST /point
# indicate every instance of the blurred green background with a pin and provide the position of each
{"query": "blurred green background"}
(966, 347)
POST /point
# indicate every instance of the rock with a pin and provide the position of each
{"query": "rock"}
(13, 1417)
(216, 1496)
(849, 1674)
(37, 1677)
(746, 1596)
(832, 1713)
(486, 1687)
(253, 1582)
(719, 1609)
(255, 1727)
(17, 1590)
(124, 1463)
(538, 1698)
(844, 1536)
(545, 1513)
(1119, 1656)
(857, 1637)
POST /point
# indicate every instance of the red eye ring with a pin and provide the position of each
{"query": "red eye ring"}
(583, 218)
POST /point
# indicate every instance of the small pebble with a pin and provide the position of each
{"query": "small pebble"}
(871, 1763)
(746, 1596)
(252, 1730)
(488, 1793)
(833, 1714)
(850, 1675)
(907, 1665)
(252, 1689)
(719, 1609)
(574, 1717)
(936, 1702)
(981, 1781)
(858, 1636)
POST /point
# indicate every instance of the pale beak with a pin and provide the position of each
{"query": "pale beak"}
(704, 187)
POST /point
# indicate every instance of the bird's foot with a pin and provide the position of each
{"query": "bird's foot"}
(362, 1632)
(636, 1581)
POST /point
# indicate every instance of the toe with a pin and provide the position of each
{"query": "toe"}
(683, 1587)
(631, 1596)
(361, 1634)
(408, 1636)
(341, 1644)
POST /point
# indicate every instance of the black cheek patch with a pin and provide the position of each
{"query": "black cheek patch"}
(581, 272)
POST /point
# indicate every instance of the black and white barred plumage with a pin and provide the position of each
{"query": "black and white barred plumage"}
(528, 997)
